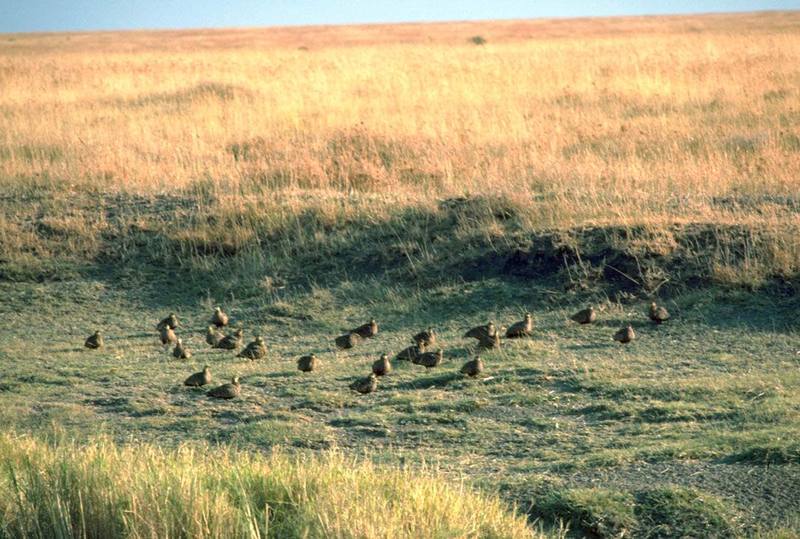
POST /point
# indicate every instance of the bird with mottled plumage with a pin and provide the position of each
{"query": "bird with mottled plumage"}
(658, 313)
(308, 363)
(473, 368)
(365, 331)
(232, 341)
(429, 359)
(219, 318)
(625, 335)
(94, 341)
(167, 336)
(199, 378)
(382, 366)
(170, 321)
(489, 342)
(227, 391)
(256, 349)
(425, 338)
(348, 340)
(213, 336)
(479, 332)
(585, 316)
(522, 328)
(410, 353)
(365, 385)
(180, 351)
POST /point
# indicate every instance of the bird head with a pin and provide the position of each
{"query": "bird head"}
(206, 369)
(235, 380)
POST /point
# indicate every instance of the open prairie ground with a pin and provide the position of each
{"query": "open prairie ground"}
(309, 179)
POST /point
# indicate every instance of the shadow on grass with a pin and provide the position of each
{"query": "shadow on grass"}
(590, 345)
(440, 380)
(186, 247)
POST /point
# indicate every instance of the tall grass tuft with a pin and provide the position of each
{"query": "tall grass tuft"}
(102, 490)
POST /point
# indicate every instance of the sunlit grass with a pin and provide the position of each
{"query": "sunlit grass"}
(102, 490)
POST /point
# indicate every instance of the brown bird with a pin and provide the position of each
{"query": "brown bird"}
(180, 351)
(429, 359)
(522, 328)
(479, 332)
(254, 350)
(219, 318)
(199, 378)
(657, 313)
(227, 391)
(473, 368)
(382, 366)
(94, 341)
(213, 336)
(348, 340)
(365, 331)
(425, 338)
(625, 335)
(410, 353)
(308, 363)
(171, 322)
(231, 342)
(487, 342)
(585, 316)
(365, 385)
(167, 336)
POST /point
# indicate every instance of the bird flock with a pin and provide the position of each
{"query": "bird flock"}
(488, 337)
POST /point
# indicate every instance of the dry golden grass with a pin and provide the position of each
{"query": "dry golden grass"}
(103, 490)
(608, 119)
(627, 121)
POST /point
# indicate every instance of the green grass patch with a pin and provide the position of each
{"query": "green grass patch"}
(768, 454)
(667, 513)
(595, 512)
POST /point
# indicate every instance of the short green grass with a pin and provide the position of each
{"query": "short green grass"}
(582, 433)
(717, 384)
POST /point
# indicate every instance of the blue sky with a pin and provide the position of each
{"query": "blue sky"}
(45, 15)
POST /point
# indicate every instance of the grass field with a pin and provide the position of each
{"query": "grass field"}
(310, 179)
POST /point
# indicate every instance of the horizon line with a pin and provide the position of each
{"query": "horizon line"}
(396, 23)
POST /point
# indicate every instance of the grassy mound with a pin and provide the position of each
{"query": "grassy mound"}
(678, 512)
(104, 490)
(661, 512)
(248, 246)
